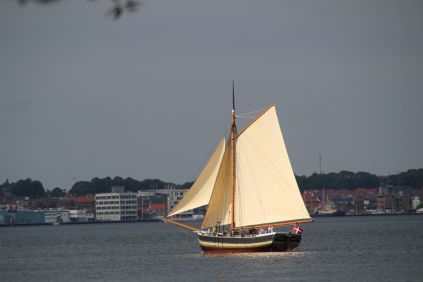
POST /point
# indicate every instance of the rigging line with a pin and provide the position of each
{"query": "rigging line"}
(254, 112)
(244, 116)
(254, 120)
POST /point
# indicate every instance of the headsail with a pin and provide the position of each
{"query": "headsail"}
(266, 189)
(218, 210)
(201, 190)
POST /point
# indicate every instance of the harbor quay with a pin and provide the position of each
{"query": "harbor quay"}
(149, 205)
(364, 201)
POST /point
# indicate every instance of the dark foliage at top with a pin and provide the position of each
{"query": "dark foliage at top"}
(350, 180)
(24, 188)
(104, 185)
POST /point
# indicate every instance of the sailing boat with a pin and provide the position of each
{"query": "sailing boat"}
(249, 187)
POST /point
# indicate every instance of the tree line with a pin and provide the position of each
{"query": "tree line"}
(350, 180)
(341, 180)
(104, 185)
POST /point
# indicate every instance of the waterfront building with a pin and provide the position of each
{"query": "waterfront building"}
(26, 217)
(151, 204)
(4, 217)
(415, 202)
(81, 216)
(311, 200)
(53, 216)
(116, 206)
(82, 202)
(173, 196)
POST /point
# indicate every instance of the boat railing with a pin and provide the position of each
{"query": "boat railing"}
(246, 233)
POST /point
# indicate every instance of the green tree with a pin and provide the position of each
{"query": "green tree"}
(56, 192)
(82, 188)
(28, 188)
(118, 181)
(102, 185)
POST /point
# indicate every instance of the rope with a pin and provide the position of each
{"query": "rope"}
(253, 112)
(243, 116)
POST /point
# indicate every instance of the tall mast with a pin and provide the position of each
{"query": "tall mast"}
(233, 133)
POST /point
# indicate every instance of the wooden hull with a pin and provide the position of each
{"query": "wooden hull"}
(274, 242)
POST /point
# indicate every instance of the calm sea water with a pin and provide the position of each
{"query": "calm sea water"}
(385, 248)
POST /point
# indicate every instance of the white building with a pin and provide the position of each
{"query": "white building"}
(81, 215)
(415, 202)
(121, 206)
(173, 197)
(56, 216)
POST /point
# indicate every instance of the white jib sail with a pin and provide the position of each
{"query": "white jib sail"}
(201, 190)
(218, 210)
(266, 190)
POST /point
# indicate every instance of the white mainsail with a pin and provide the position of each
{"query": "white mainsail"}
(266, 191)
(201, 190)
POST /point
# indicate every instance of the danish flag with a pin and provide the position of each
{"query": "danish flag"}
(297, 230)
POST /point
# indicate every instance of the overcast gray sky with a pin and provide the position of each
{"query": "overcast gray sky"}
(149, 95)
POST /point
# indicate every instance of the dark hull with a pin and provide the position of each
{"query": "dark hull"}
(279, 242)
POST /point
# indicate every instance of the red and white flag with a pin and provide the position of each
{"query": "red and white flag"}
(297, 230)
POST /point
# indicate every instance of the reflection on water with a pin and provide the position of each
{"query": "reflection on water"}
(333, 249)
(267, 255)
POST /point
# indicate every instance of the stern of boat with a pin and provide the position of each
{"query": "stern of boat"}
(283, 242)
